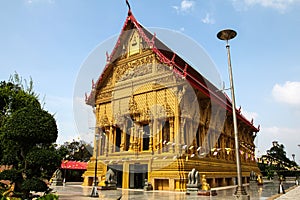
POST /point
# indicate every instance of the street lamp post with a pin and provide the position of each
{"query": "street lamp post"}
(293, 155)
(240, 192)
(94, 190)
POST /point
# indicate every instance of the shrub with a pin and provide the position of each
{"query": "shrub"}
(48, 197)
(34, 184)
(11, 175)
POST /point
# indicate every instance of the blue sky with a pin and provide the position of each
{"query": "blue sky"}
(49, 40)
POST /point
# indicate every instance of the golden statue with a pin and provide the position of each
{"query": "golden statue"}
(259, 180)
(205, 185)
(102, 181)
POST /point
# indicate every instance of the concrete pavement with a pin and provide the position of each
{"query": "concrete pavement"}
(77, 192)
(292, 194)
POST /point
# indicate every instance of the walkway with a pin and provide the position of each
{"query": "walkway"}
(78, 192)
(292, 194)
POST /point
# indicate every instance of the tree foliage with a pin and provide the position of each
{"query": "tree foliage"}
(276, 161)
(15, 95)
(34, 184)
(11, 175)
(29, 126)
(27, 136)
(278, 153)
(76, 150)
(42, 162)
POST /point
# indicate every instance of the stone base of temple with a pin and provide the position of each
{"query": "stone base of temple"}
(166, 174)
(192, 190)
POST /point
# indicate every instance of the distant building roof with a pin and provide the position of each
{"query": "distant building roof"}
(68, 164)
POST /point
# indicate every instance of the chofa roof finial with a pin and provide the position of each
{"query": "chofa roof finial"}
(129, 9)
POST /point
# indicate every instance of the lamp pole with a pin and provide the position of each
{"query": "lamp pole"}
(299, 147)
(94, 190)
(293, 155)
(240, 192)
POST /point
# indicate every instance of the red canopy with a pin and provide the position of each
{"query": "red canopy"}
(68, 164)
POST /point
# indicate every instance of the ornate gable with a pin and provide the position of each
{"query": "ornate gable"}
(131, 59)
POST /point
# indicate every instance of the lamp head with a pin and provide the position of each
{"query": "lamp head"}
(226, 34)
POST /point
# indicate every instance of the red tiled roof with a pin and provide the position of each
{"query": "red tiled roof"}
(68, 164)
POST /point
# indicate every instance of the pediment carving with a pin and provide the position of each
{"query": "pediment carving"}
(135, 68)
(123, 72)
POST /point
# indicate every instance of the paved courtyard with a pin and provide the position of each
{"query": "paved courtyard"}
(77, 192)
(291, 195)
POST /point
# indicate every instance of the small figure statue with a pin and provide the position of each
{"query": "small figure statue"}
(205, 185)
(58, 174)
(193, 184)
(102, 181)
(110, 182)
(197, 178)
(191, 176)
(110, 176)
(147, 185)
(252, 176)
(56, 179)
(259, 180)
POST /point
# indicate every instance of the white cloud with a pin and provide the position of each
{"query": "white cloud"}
(281, 133)
(284, 135)
(208, 19)
(185, 6)
(288, 93)
(40, 1)
(280, 5)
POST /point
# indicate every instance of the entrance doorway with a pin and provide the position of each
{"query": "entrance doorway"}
(137, 175)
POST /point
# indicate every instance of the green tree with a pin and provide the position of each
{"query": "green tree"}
(276, 161)
(15, 95)
(27, 137)
(278, 153)
(76, 150)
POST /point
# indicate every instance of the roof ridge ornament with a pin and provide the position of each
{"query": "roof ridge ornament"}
(129, 8)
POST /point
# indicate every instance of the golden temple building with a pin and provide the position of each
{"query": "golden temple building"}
(157, 118)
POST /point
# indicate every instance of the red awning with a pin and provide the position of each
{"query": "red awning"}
(68, 164)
